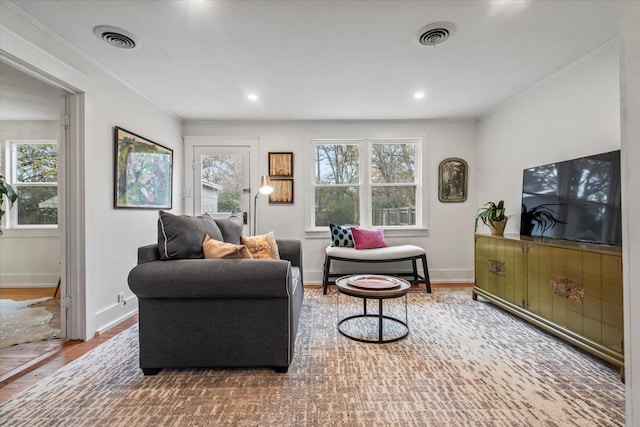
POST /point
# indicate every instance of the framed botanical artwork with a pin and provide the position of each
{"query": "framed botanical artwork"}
(452, 180)
(281, 164)
(143, 172)
(282, 191)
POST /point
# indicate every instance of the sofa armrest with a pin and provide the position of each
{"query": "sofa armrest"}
(291, 250)
(212, 278)
(148, 253)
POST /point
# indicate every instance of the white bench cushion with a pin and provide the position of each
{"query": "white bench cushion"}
(388, 253)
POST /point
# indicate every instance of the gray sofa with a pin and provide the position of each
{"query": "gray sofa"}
(218, 313)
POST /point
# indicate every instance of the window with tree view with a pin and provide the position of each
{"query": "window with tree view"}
(34, 176)
(370, 183)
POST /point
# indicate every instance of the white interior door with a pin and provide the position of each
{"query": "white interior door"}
(221, 180)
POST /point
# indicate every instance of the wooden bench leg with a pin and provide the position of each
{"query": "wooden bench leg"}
(325, 278)
(414, 264)
(425, 270)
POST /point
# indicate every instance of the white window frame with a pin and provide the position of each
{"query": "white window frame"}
(365, 186)
(10, 165)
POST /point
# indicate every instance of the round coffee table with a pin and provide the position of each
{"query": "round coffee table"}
(374, 286)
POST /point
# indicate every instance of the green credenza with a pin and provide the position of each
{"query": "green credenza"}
(573, 291)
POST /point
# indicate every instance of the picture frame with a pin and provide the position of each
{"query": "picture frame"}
(281, 165)
(452, 180)
(282, 191)
(143, 172)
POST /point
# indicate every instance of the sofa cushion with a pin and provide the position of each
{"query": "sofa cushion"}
(231, 228)
(341, 236)
(368, 239)
(215, 249)
(181, 236)
(261, 247)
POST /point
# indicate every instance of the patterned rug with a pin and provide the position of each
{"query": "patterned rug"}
(464, 363)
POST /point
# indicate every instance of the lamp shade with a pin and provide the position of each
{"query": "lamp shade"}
(265, 185)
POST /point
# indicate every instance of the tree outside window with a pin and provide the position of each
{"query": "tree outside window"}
(35, 179)
(386, 189)
(225, 172)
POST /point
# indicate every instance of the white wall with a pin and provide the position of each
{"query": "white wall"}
(29, 258)
(111, 236)
(574, 113)
(630, 94)
(449, 244)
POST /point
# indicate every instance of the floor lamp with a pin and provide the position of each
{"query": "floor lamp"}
(265, 188)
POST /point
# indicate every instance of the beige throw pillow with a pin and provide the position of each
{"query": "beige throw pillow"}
(261, 247)
(214, 249)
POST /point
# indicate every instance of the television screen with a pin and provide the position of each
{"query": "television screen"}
(576, 200)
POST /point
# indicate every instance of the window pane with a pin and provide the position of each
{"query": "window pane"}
(394, 205)
(338, 205)
(221, 183)
(37, 205)
(337, 164)
(36, 163)
(393, 163)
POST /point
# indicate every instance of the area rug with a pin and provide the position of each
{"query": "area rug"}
(20, 323)
(464, 363)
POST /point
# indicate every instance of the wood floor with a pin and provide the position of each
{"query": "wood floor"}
(15, 358)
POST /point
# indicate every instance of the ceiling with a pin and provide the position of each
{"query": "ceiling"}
(331, 59)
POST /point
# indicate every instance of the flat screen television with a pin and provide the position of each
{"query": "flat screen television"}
(575, 200)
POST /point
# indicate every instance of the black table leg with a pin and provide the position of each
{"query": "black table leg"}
(380, 320)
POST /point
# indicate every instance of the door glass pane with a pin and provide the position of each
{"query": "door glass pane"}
(394, 205)
(221, 182)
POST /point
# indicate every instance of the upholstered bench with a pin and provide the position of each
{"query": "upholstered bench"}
(379, 255)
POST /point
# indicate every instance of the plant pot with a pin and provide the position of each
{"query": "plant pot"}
(497, 227)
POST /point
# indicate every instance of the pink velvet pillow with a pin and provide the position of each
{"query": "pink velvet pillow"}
(368, 239)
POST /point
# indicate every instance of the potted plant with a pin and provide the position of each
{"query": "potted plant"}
(493, 216)
(6, 191)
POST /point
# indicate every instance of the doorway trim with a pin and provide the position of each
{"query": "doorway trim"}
(71, 208)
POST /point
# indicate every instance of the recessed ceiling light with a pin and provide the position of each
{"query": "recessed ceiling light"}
(252, 97)
(418, 95)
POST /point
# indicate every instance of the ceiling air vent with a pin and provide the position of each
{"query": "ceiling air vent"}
(116, 37)
(436, 33)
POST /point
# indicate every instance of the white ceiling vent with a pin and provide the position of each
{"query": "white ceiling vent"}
(115, 36)
(436, 33)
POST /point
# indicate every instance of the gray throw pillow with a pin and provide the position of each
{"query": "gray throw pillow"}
(181, 236)
(231, 228)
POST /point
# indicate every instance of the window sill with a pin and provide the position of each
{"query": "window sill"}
(388, 232)
(30, 232)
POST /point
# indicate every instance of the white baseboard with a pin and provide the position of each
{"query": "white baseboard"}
(29, 280)
(116, 314)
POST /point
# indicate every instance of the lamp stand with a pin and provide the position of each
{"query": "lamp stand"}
(255, 211)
